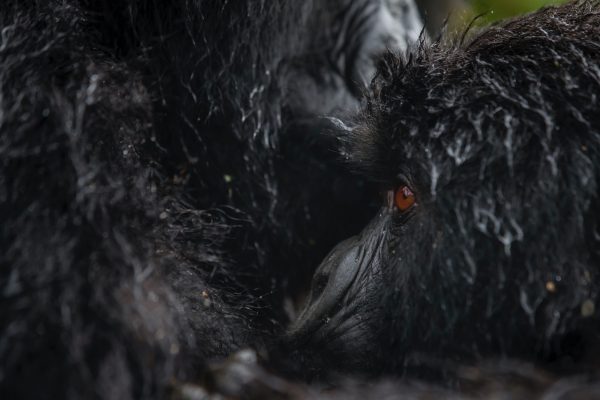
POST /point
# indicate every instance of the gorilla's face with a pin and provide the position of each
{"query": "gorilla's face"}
(363, 290)
(487, 239)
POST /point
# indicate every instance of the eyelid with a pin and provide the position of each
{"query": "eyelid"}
(404, 179)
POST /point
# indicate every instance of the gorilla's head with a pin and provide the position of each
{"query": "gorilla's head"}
(487, 242)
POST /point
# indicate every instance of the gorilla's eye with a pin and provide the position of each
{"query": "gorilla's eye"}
(404, 198)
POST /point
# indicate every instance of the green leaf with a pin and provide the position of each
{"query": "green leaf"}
(499, 9)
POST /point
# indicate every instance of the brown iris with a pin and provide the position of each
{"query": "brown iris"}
(404, 198)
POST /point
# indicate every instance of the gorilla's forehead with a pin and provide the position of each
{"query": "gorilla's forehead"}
(515, 99)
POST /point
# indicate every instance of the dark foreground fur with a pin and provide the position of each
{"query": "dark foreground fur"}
(164, 187)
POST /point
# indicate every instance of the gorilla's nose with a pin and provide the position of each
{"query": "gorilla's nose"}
(339, 283)
(330, 285)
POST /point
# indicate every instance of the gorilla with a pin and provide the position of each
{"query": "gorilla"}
(484, 254)
(166, 187)
(487, 242)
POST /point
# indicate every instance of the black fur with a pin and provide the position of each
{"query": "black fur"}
(165, 187)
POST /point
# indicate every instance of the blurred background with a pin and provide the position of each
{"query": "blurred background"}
(462, 12)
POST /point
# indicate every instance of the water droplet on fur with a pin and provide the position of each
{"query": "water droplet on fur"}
(588, 308)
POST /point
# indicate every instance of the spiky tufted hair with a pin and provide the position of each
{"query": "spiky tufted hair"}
(500, 138)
